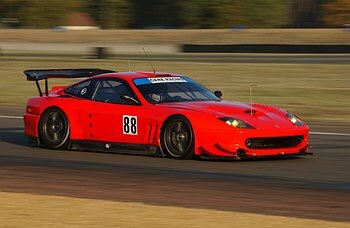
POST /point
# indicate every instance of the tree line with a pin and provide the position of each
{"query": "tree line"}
(110, 14)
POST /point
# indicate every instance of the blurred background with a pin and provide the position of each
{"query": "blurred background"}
(122, 14)
(296, 50)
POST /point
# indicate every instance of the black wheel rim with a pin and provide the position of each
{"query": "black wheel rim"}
(55, 127)
(178, 138)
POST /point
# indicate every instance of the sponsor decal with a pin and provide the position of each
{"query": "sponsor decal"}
(143, 81)
(166, 79)
(83, 91)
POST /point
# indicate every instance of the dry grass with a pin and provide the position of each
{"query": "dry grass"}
(29, 210)
(176, 36)
(313, 91)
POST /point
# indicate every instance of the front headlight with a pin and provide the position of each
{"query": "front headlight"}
(294, 119)
(237, 123)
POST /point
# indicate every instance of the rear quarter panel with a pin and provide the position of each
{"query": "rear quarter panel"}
(36, 107)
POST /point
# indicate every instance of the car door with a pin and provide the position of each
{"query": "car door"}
(82, 92)
(109, 118)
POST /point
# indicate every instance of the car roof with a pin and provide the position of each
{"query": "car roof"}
(134, 75)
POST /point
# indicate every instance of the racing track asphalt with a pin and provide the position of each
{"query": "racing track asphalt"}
(310, 187)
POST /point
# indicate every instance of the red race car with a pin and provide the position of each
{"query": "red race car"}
(156, 114)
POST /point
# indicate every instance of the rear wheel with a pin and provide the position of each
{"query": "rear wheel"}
(54, 129)
(177, 138)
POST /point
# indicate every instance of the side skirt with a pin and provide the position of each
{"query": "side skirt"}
(120, 148)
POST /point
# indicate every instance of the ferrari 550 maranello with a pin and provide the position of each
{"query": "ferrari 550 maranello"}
(160, 114)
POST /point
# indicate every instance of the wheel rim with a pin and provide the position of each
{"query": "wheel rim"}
(178, 138)
(55, 127)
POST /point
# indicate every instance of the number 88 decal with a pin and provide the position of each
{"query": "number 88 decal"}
(129, 125)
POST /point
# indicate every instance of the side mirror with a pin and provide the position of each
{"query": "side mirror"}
(218, 93)
(127, 98)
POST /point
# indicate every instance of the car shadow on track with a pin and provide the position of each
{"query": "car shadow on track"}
(14, 136)
(250, 159)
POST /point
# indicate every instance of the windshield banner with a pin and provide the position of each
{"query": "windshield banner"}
(142, 81)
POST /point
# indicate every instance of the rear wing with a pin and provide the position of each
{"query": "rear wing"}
(37, 75)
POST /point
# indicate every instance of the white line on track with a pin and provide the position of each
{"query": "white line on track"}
(11, 117)
(311, 132)
(328, 133)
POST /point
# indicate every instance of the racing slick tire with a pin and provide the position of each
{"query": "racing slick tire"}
(177, 138)
(54, 129)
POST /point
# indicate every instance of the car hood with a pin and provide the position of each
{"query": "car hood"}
(263, 117)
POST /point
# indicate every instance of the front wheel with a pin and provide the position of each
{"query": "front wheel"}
(177, 138)
(54, 129)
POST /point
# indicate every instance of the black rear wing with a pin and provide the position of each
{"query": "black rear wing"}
(37, 75)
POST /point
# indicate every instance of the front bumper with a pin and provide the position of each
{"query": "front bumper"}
(233, 143)
(249, 157)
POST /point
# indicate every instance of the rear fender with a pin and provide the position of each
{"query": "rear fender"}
(67, 105)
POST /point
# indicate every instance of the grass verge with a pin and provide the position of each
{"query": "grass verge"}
(177, 36)
(30, 210)
(312, 91)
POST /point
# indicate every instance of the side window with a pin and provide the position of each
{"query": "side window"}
(82, 89)
(110, 91)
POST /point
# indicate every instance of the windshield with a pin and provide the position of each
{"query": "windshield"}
(173, 89)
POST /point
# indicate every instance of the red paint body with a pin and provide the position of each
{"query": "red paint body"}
(99, 121)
